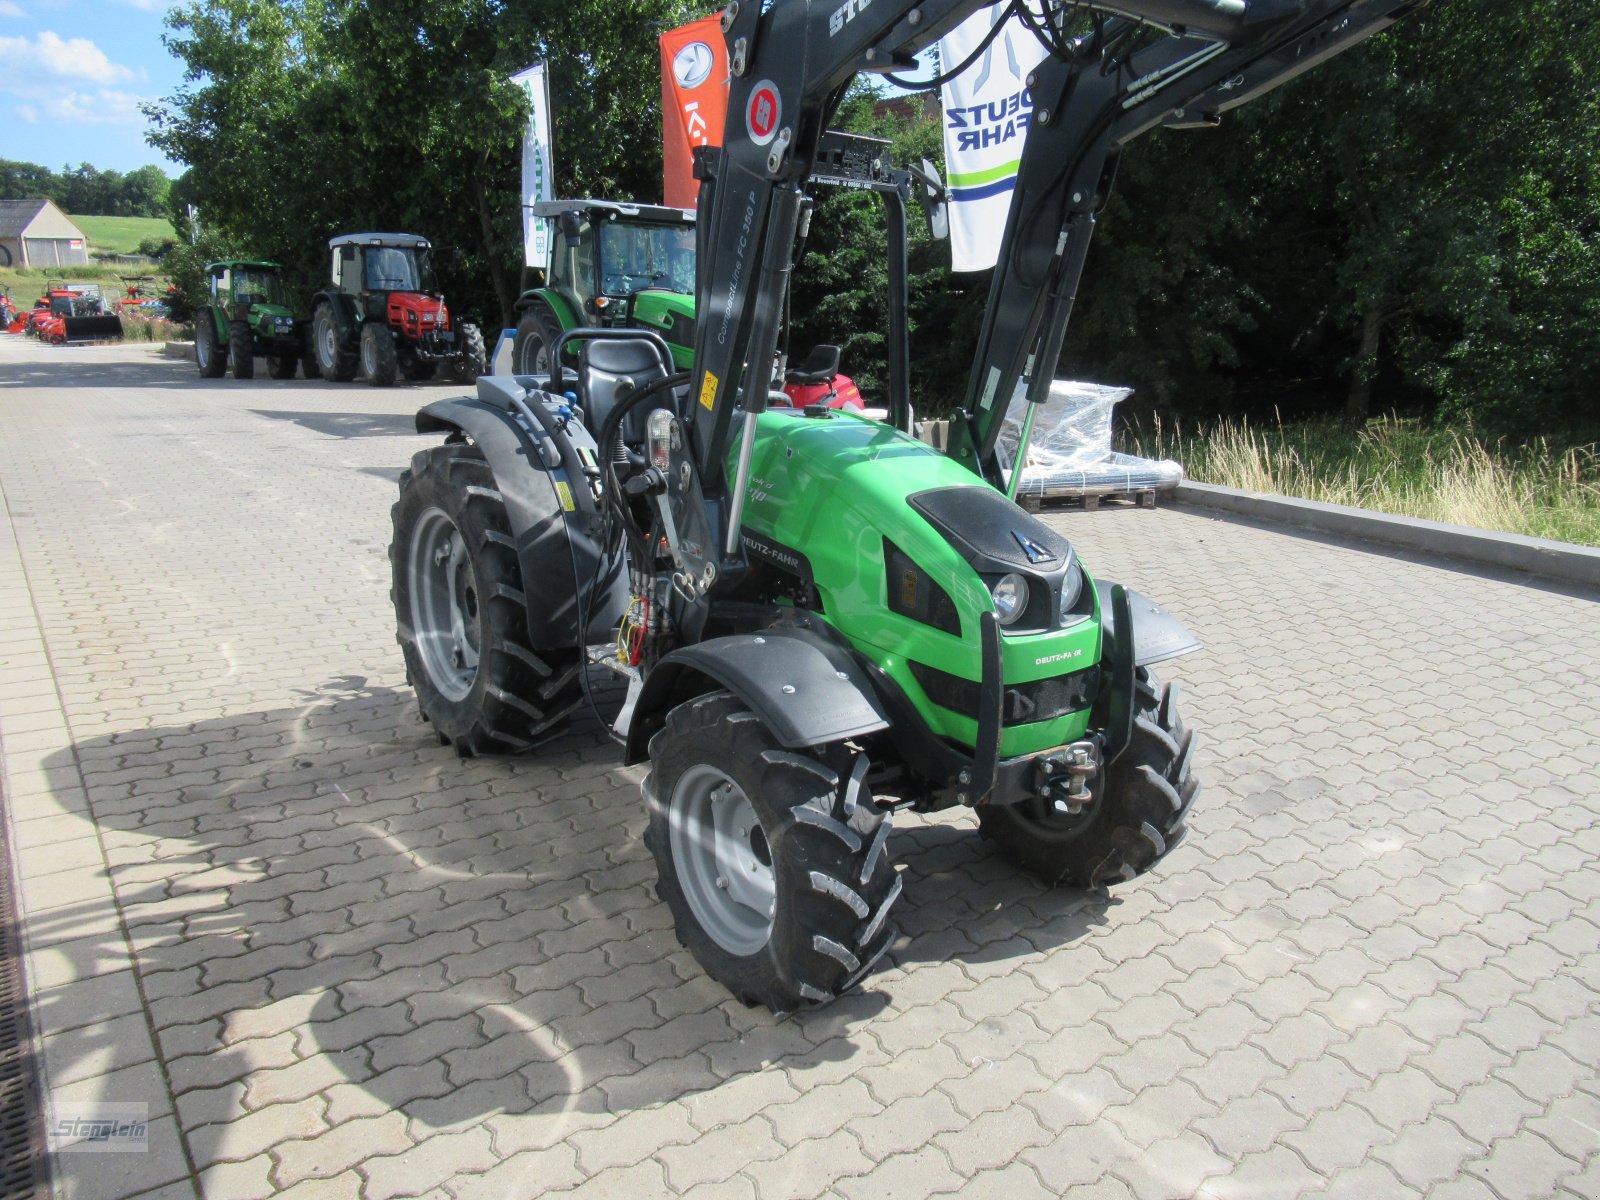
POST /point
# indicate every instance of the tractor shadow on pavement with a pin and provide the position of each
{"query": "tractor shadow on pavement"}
(67, 368)
(324, 902)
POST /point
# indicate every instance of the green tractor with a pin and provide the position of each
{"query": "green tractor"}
(825, 625)
(249, 316)
(611, 266)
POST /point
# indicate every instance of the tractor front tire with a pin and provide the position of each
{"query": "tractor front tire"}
(282, 366)
(1135, 819)
(772, 862)
(208, 355)
(461, 614)
(473, 360)
(530, 351)
(334, 362)
(241, 350)
(378, 358)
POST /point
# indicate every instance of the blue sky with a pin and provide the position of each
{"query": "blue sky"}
(72, 76)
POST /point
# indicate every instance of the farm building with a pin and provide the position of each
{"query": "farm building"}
(35, 233)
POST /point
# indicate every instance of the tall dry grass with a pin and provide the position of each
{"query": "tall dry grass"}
(1398, 466)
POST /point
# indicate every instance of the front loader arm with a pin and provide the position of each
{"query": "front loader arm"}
(1085, 111)
(789, 66)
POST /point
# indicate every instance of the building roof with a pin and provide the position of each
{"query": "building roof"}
(17, 215)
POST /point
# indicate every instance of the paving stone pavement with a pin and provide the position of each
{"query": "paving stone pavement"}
(335, 961)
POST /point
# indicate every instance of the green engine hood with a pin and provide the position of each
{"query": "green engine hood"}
(827, 493)
(672, 316)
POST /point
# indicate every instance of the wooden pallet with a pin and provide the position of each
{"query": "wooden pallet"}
(1088, 501)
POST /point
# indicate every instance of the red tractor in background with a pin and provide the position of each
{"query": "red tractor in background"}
(384, 317)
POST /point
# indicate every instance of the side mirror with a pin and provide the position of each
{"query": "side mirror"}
(570, 224)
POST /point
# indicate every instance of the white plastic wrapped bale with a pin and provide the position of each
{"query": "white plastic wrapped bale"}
(1070, 452)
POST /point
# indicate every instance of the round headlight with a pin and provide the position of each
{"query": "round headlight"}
(1010, 598)
(1071, 588)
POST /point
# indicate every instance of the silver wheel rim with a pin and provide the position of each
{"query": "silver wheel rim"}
(444, 604)
(724, 866)
(534, 349)
(327, 343)
(202, 349)
(369, 356)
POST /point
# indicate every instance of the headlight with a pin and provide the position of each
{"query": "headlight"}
(1010, 598)
(1071, 588)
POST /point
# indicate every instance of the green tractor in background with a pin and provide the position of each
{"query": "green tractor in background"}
(611, 265)
(249, 316)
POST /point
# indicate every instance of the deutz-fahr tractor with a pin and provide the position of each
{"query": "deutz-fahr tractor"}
(384, 316)
(823, 622)
(611, 266)
(249, 316)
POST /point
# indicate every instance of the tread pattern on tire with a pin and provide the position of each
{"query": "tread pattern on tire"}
(1138, 814)
(518, 693)
(208, 355)
(833, 901)
(241, 350)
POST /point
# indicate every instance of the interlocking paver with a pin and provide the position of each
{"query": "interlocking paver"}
(1372, 971)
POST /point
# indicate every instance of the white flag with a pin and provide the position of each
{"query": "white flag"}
(987, 110)
(538, 167)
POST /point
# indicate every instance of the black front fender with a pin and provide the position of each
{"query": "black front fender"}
(1157, 634)
(807, 690)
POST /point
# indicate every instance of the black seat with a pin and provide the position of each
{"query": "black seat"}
(821, 365)
(612, 369)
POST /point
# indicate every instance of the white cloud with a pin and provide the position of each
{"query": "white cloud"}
(25, 62)
(8, 9)
(103, 107)
(154, 6)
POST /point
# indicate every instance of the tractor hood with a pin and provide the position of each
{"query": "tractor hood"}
(670, 314)
(905, 548)
(417, 312)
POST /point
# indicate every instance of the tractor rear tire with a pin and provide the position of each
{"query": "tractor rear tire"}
(282, 366)
(472, 361)
(536, 333)
(378, 358)
(241, 350)
(334, 361)
(208, 354)
(771, 861)
(461, 614)
(1135, 819)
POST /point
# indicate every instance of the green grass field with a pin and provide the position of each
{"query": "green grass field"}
(122, 235)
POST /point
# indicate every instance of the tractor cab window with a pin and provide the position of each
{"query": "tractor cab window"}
(572, 267)
(636, 257)
(256, 287)
(398, 269)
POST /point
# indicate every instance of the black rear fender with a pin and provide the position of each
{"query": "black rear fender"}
(552, 514)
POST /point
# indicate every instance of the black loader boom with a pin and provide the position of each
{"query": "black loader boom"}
(1141, 64)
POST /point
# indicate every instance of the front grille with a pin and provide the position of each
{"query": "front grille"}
(1025, 703)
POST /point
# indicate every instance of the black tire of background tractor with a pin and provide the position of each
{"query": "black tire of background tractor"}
(334, 361)
(207, 354)
(418, 370)
(1136, 817)
(530, 350)
(378, 358)
(514, 693)
(282, 366)
(830, 879)
(241, 350)
(309, 367)
(472, 361)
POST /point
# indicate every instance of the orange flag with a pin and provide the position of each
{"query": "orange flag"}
(694, 102)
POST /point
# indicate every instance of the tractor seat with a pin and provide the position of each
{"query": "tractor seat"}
(611, 370)
(821, 365)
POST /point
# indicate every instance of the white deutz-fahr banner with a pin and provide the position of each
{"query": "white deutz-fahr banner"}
(538, 165)
(987, 109)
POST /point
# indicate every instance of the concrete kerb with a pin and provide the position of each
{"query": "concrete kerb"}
(1538, 556)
